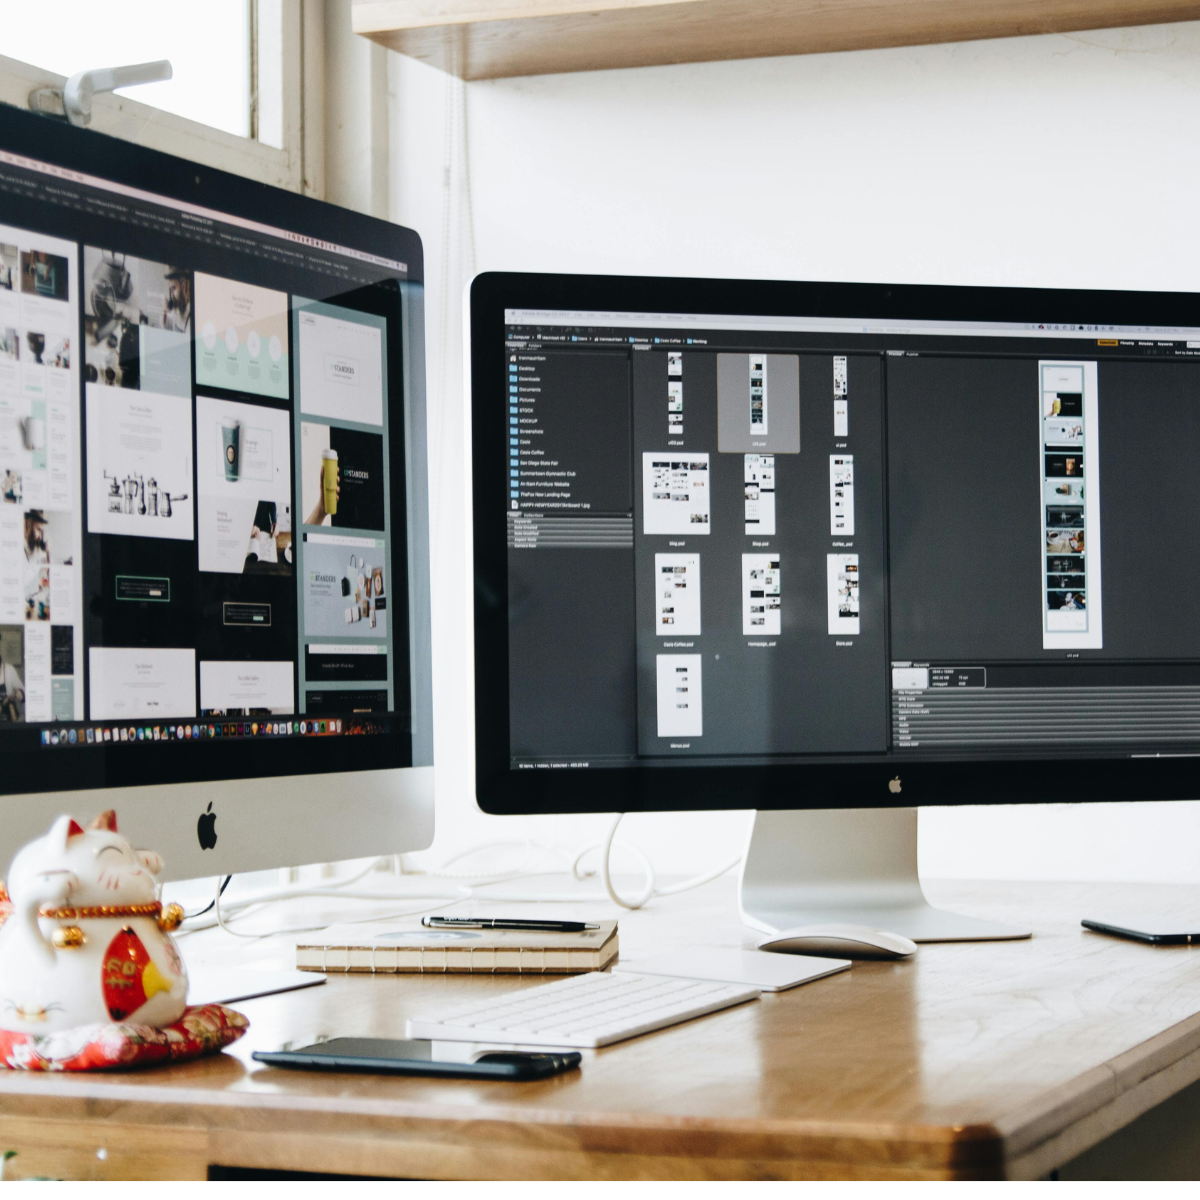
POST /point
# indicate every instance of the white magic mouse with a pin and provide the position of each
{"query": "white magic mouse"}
(839, 941)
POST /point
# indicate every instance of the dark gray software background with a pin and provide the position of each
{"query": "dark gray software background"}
(803, 692)
(963, 550)
(965, 519)
(571, 662)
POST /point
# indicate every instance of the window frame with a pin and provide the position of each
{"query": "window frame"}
(123, 117)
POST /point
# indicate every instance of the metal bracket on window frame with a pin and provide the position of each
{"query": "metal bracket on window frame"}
(73, 101)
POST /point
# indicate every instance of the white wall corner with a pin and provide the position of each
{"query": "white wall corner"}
(356, 116)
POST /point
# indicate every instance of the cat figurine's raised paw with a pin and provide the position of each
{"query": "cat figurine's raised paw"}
(85, 942)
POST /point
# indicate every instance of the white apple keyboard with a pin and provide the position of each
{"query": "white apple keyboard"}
(585, 1010)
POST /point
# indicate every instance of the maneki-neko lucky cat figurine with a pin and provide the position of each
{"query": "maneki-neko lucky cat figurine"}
(86, 940)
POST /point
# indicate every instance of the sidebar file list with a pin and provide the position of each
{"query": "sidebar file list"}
(569, 474)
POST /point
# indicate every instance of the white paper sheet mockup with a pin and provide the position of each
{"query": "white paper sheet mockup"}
(841, 573)
(242, 340)
(758, 396)
(41, 534)
(677, 594)
(228, 506)
(39, 687)
(841, 495)
(761, 600)
(841, 406)
(675, 407)
(680, 703)
(675, 492)
(760, 494)
(341, 367)
(139, 450)
(141, 683)
(240, 686)
(1068, 421)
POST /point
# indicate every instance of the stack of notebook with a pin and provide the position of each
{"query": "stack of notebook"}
(392, 947)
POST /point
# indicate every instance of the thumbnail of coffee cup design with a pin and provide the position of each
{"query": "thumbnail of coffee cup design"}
(329, 480)
(231, 448)
(362, 585)
(33, 431)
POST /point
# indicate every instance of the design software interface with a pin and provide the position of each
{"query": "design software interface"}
(745, 539)
(195, 499)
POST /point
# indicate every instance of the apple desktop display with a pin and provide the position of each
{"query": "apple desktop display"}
(831, 552)
(214, 593)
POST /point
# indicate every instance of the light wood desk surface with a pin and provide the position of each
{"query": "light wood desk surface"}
(973, 1059)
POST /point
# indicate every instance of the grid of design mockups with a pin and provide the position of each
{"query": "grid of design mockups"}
(195, 500)
(40, 537)
(844, 543)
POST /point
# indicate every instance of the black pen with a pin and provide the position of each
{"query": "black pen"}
(506, 923)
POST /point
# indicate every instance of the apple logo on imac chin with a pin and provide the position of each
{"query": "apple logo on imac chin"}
(206, 828)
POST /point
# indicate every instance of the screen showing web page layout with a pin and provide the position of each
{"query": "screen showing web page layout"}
(742, 539)
(196, 473)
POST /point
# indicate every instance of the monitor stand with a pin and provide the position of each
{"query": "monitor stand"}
(846, 866)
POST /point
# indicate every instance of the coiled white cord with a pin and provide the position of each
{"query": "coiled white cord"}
(476, 885)
(651, 890)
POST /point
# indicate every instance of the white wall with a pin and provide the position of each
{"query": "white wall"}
(1057, 161)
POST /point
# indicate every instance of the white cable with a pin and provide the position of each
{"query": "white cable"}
(699, 880)
(526, 868)
(333, 888)
(651, 890)
(481, 886)
(221, 919)
(441, 901)
(606, 872)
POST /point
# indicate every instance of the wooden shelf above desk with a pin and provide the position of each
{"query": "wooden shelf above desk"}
(488, 39)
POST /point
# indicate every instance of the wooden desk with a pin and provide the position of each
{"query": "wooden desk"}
(973, 1060)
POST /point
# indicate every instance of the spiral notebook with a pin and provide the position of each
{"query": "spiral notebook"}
(391, 947)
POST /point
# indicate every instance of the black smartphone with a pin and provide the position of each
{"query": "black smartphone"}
(1157, 931)
(390, 1056)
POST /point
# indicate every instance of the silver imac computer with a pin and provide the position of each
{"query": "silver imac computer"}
(214, 591)
(831, 552)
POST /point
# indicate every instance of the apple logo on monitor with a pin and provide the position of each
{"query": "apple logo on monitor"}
(206, 828)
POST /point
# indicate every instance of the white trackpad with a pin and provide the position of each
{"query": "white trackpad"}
(755, 968)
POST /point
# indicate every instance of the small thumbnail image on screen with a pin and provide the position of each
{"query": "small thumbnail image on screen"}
(137, 323)
(1064, 404)
(1064, 564)
(1063, 466)
(1064, 491)
(1064, 518)
(44, 274)
(1065, 541)
(341, 483)
(1069, 582)
(12, 674)
(1067, 601)
(9, 267)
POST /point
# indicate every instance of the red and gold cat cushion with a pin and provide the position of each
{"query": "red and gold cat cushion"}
(204, 1029)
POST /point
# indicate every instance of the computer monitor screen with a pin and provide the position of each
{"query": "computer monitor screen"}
(207, 391)
(788, 545)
